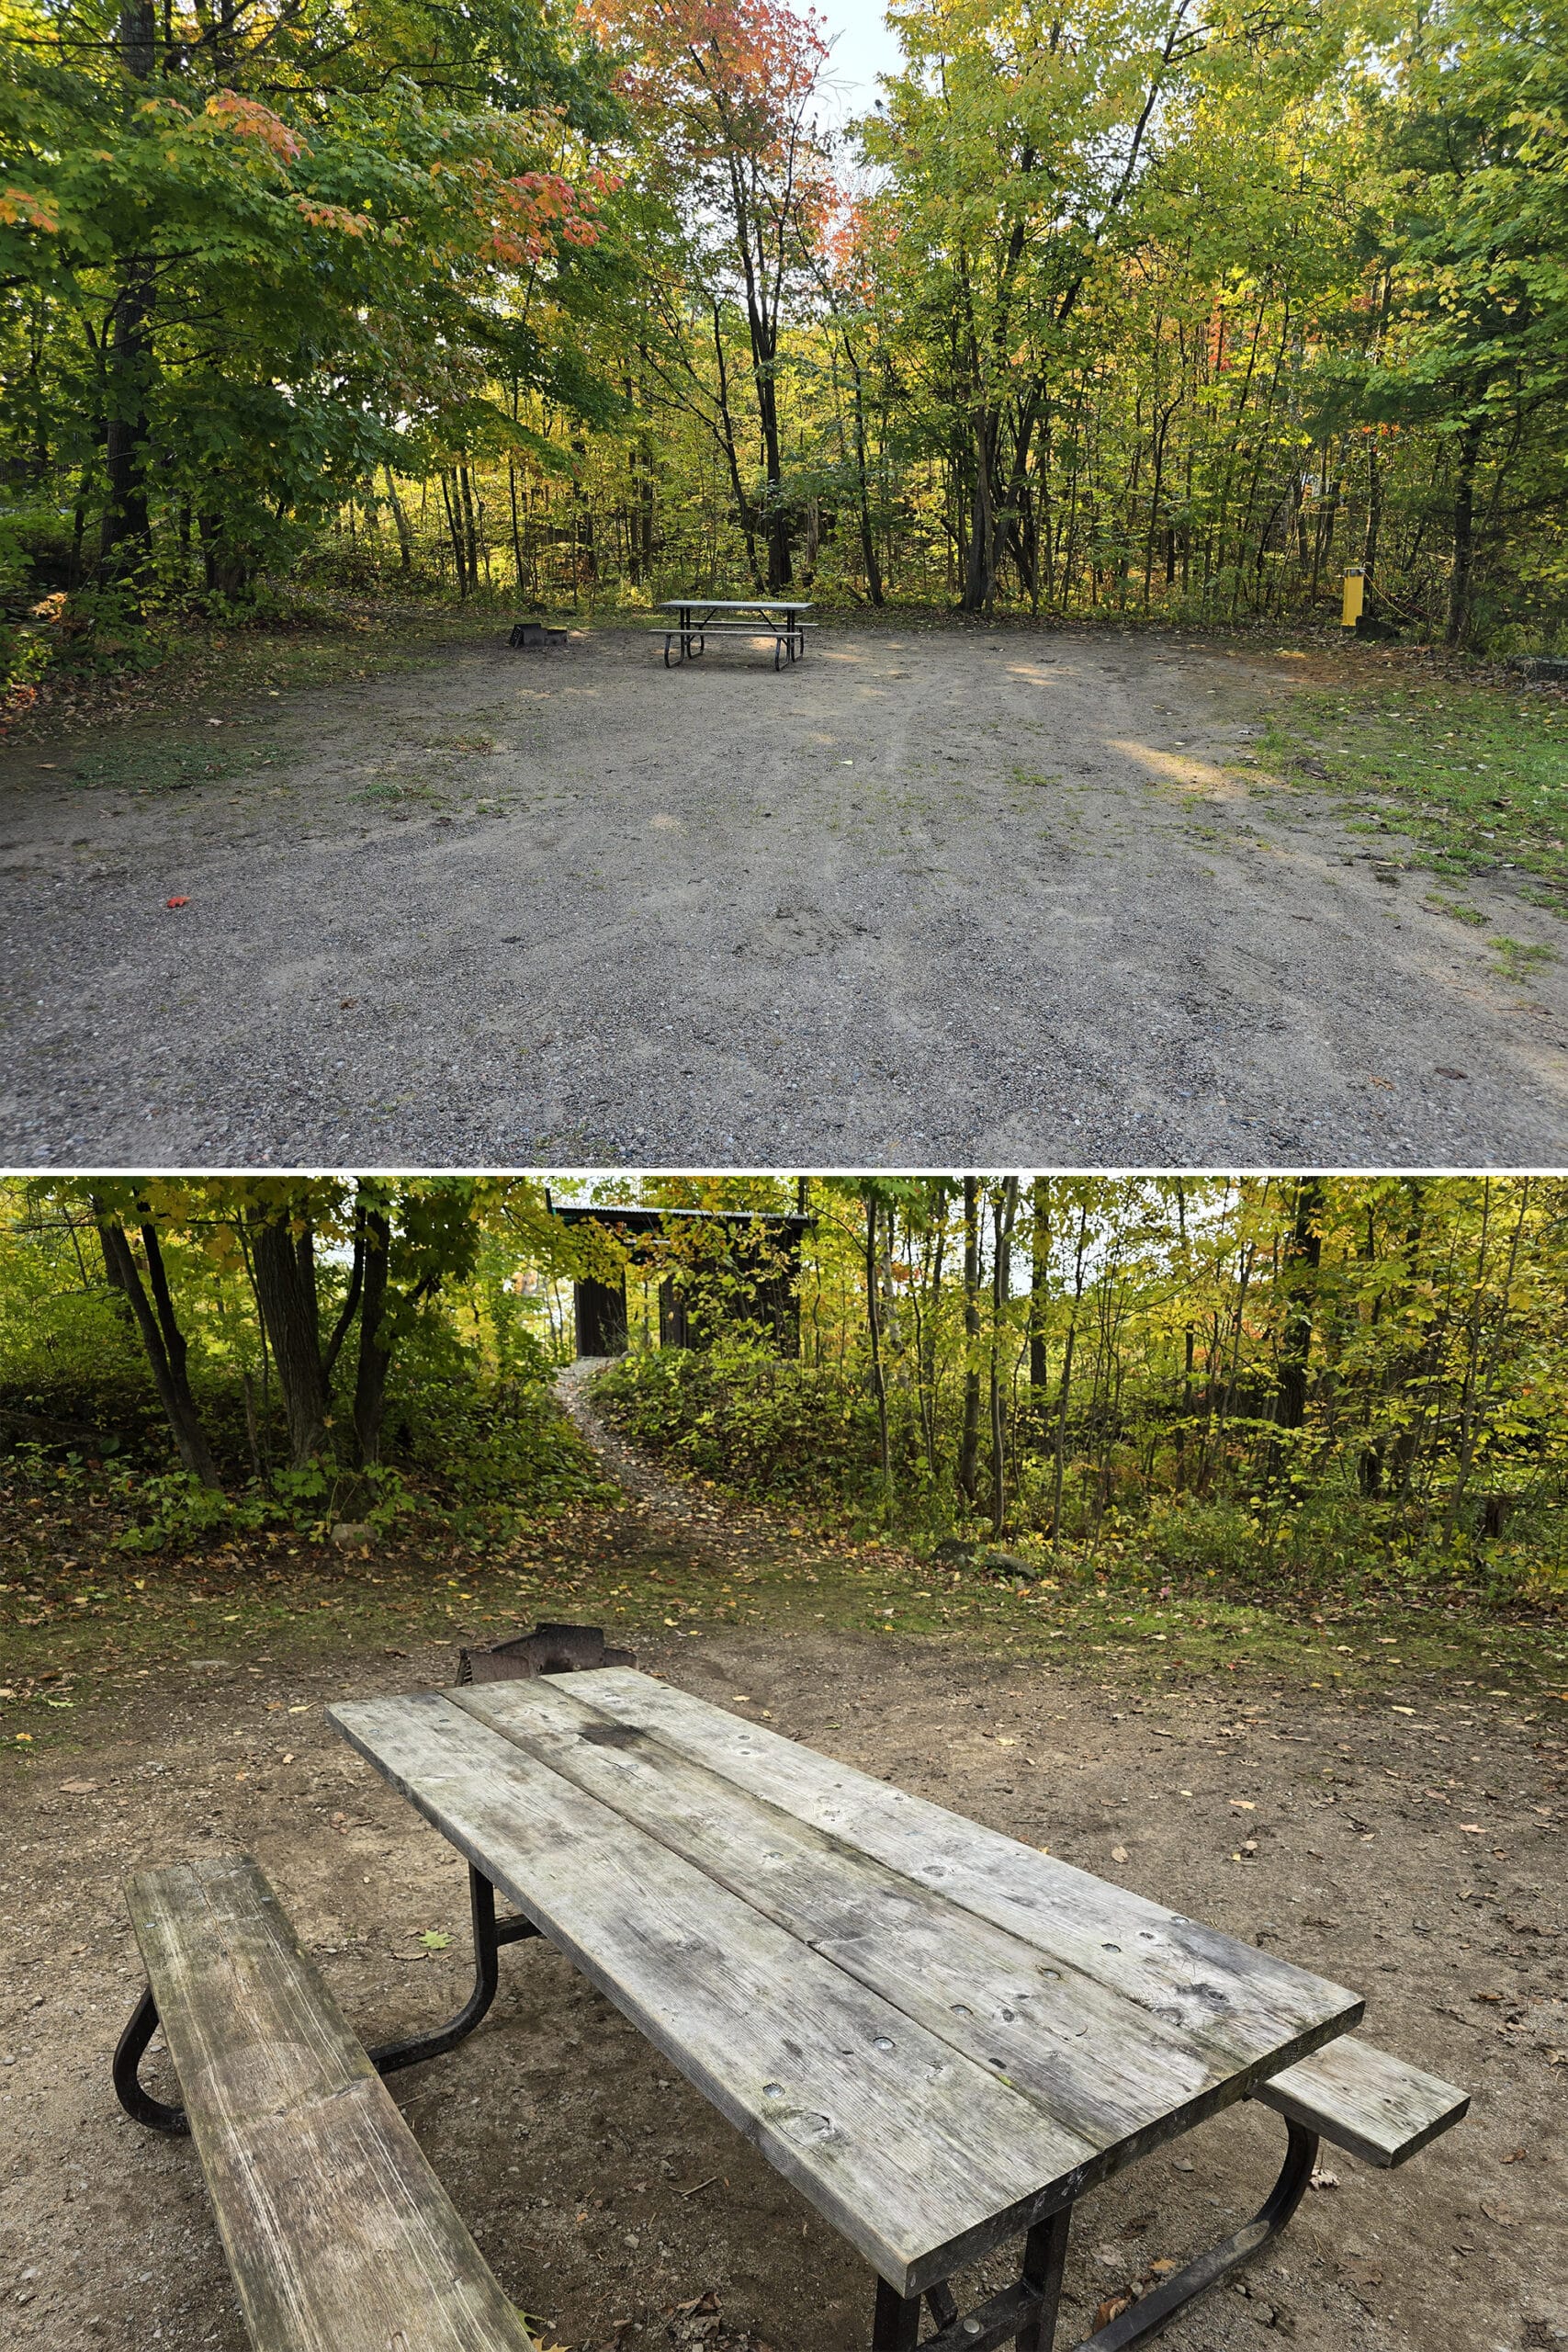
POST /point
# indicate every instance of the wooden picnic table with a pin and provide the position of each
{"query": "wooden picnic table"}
(698, 618)
(940, 2036)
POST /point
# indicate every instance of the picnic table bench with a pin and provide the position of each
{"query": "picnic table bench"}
(339, 2236)
(940, 2036)
(771, 617)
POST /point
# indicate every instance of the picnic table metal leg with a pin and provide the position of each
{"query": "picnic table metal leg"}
(1156, 2310)
(1044, 2259)
(137, 2103)
(1024, 2312)
(387, 2056)
(897, 2325)
(489, 1934)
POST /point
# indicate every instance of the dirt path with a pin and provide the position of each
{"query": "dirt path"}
(938, 895)
(1416, 1856)
(670, 1514)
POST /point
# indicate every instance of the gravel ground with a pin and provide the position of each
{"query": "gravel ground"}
(938, 896)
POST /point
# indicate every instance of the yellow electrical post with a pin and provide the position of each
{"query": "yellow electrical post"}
(1354, 587)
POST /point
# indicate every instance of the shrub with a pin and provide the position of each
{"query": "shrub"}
(763, 1423)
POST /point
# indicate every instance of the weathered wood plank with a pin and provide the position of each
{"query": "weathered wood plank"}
(1248, 2003)
(1363, 2100)
(918, 2156)
(339, 2236)
(1118, 2076)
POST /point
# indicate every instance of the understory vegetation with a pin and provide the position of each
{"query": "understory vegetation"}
(1311, 1387)
(1143, 311)
(1475, 779)
(222, 1357)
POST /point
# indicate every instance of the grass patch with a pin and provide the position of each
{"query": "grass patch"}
(1456, 908)
(170, 767)
(1516, 959)
(80, 1616)
(329, 641)
(301, 1600)
(395, 792)
(1475, 775)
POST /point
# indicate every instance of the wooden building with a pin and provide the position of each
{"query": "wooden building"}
(719, 1268)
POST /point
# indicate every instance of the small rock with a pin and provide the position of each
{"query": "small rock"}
(348, 1532)
(1008, 1564)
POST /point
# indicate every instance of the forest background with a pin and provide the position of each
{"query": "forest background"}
(1315, 1426)
(1319, 1383)
(1171, 309)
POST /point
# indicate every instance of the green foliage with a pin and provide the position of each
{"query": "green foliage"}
(494, 1440)
(178, 1512)
(470, 1431)
(1311, 1388)
(739, 1412)
(242, 272)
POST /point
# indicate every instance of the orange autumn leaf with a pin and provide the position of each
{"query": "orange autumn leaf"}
(247, 119)
(20, 208)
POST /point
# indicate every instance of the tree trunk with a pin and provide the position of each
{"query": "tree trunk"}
(1060, 1464)
(1461, 578)
(370, 1382)
(454, 533)
(979, 581)
(399, 517)
(1039, 1287)
(1374, 527)
(1004, 1210)
(781, 569)
(286, 1293)
(125, 539)
(160, 1337)
(969, 1444)
(469, 523)
(874, 1322)
(874, 587)
(745, 513)
(1302, 1253)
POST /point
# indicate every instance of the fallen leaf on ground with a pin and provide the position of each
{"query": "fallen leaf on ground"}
(1322, 2178)
(177, 902)
(78, 1787)
(1111, 2308)
(1119, 1853)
